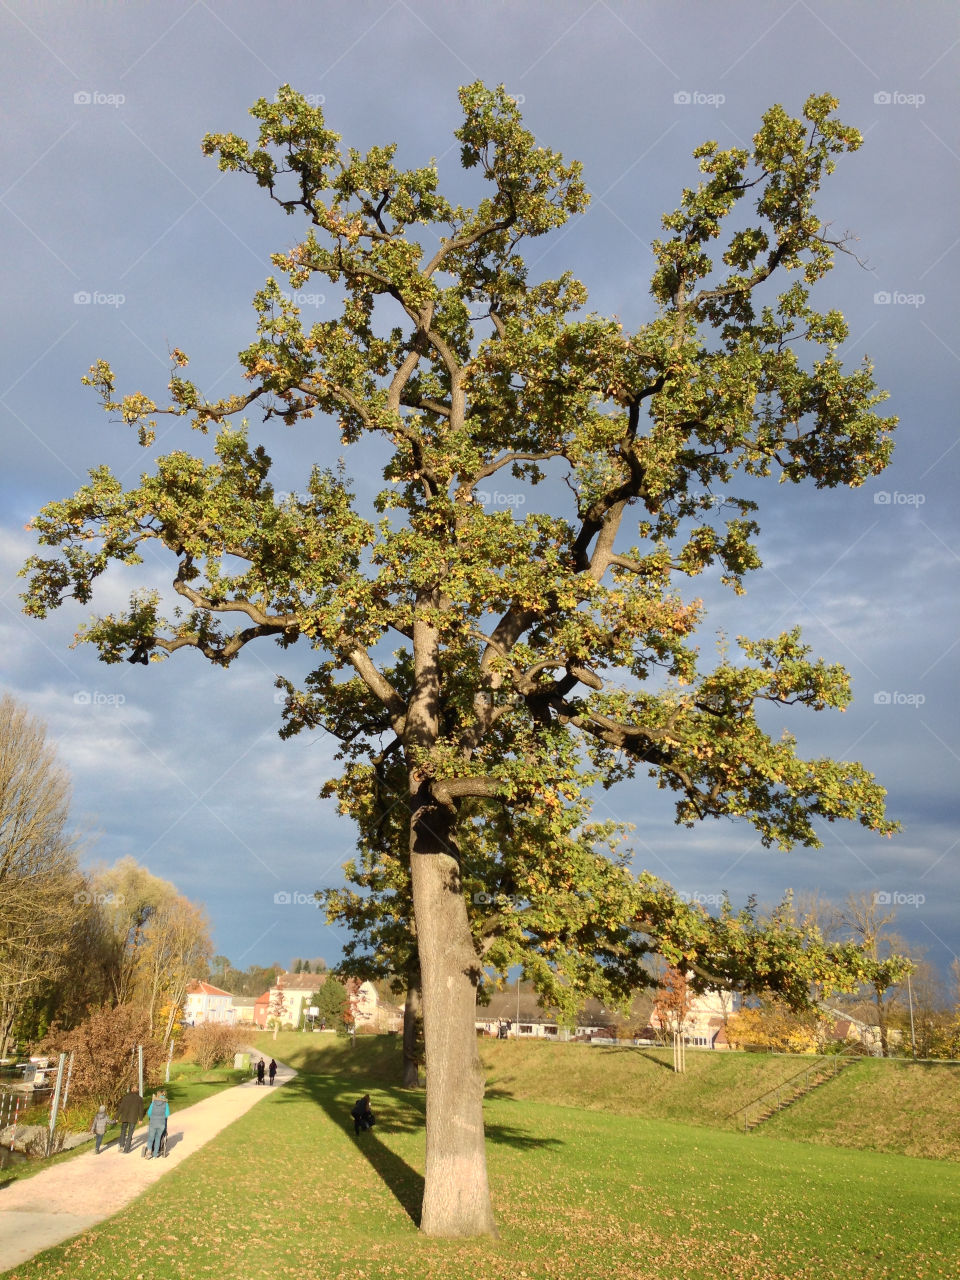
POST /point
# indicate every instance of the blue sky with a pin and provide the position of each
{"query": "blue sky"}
(121, 241)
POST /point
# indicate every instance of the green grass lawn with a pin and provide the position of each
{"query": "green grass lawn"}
(288, 1191)
(188, 1084)
(875, 1105)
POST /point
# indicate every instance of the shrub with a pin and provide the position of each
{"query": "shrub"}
(211, 1044)
(104, 1048)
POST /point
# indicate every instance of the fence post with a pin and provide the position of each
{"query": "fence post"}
(66, 1087)
(55, 1104)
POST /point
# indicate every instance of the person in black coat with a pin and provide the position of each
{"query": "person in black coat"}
(363, 1117)
(273, 1070)
(260, 1071)
(129, 1113)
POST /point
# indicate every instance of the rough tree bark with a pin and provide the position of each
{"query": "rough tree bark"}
(456, 1198)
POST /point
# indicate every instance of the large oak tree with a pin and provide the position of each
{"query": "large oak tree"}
(531, 657)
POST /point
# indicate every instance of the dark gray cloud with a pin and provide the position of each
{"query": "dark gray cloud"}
(106, 197)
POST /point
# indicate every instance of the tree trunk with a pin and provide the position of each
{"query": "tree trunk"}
(8, 1015)
(456, 1196)
(411, 1012)
(882, 1024)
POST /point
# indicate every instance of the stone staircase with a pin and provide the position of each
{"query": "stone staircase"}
(784, 1095)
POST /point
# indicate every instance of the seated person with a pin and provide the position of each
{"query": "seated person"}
(363, 1117)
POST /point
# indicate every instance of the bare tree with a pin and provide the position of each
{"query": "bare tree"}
(128, 897)
(866, 917)
(177, 948)
(40, 885)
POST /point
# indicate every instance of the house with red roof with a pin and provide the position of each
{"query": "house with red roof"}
(206, 1003)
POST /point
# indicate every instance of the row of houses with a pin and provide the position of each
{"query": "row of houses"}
(511, 1012)
(205, 1003)
(520, 1013)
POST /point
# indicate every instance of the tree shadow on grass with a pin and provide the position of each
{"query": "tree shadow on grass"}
(660, 1062)
(398, 1111)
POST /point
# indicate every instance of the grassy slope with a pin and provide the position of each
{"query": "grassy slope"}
(634, 1081)
(287, 1191)
(909, 1108)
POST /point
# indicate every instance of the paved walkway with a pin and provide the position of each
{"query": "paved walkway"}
(39, 1212)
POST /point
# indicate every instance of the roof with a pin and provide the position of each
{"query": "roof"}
(300, 981)
(206, 989)
(243, 1002)
(503, 1004)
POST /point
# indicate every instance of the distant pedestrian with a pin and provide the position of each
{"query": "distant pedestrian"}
(157, 1117)
(273, 1070)
(99, 1127)
(363, 1117)
(129, 1113)
(260, 1071)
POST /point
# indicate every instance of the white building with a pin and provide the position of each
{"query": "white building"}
(207, 1003)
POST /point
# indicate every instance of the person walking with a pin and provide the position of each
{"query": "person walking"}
(157, 1118)
(99, 1126)
(260, 1071)
(273, 1070)
(129, 1113)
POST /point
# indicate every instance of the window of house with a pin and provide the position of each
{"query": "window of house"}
(526, 1030)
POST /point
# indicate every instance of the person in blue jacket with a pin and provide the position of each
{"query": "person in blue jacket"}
(157, 1115)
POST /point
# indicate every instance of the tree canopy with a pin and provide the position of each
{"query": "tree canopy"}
(538, 654)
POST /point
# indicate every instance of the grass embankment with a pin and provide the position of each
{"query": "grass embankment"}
(912, 1108)
(635, 1081)
(288, 1191)
(873, 1105)
(189, 1083)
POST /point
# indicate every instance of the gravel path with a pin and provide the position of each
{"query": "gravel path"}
(39, 1212)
